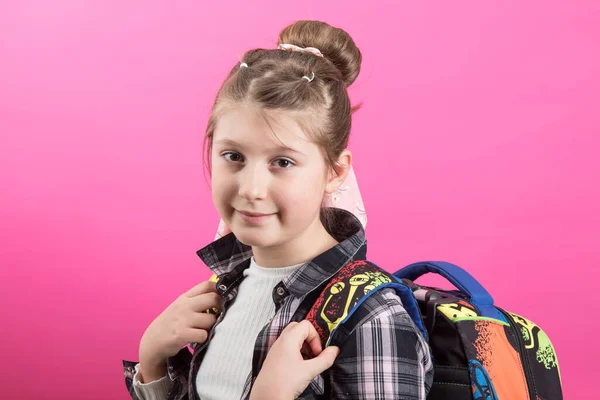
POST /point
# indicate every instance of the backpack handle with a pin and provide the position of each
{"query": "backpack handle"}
(460, 278)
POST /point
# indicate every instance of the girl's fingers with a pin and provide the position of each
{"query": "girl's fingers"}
(310, 336)
(314, 341)
(203, 321)
(204, 287)
(195, 335)
(301, 334)
(323, 361)
(205, 301)
(288, 328)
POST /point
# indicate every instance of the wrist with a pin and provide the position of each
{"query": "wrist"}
(152, 371)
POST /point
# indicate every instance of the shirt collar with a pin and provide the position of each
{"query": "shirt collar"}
(227, 257)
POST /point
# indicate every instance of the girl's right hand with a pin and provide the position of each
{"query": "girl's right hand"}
(184, 321)
(286, 373)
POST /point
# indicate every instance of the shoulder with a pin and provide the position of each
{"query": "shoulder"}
(358, 293)
(381, 336)
(375, 297)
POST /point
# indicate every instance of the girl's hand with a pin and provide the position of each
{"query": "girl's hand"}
(285, 373)
(184, 321)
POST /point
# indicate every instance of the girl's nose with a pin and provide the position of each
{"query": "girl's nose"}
(254, 182)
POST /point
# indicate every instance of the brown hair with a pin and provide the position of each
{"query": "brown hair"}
(273, 80)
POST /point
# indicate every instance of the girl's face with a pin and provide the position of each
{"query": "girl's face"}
(268, 178)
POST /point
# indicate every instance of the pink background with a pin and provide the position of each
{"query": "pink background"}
(478, 144)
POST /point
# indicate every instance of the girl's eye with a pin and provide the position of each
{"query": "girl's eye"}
(283, 163)
(233, 157)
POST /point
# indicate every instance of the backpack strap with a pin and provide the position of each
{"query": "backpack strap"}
(348, 289)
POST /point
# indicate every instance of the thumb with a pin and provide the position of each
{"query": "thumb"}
(323, 361)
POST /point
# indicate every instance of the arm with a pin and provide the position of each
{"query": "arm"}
(163, 345)
(385, 357)
(155, 390)
(158, 389)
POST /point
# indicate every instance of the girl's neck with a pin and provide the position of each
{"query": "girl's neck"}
(309, 244)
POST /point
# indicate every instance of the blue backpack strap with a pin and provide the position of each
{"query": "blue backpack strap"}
(479, 297)
(348, 289)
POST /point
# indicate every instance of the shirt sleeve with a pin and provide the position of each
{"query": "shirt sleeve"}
(156, 390)
(384, 357)
(175, 381)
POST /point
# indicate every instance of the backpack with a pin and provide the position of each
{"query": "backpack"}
(479, 351)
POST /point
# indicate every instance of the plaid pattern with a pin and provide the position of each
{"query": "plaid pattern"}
(383, 355)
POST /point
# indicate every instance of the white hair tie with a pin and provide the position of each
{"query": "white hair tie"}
(243, 65)
(309, 79)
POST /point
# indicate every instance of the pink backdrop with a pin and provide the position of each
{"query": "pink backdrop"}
(478, 143)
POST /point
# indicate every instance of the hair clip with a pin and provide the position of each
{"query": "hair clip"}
(243, 65)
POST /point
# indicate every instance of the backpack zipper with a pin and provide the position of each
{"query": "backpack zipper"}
(524, 356)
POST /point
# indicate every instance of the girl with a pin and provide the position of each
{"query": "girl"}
(276, 142)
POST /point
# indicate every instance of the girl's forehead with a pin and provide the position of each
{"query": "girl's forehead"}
(246, 125)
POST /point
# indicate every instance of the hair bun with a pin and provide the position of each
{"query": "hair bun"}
(335, 44)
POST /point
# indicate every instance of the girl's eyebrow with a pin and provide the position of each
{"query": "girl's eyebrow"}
(229, 142)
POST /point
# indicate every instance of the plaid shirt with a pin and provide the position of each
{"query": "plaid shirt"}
(382, 353)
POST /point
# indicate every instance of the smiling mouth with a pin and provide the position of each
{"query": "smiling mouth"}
(254, 218)
(253, 214)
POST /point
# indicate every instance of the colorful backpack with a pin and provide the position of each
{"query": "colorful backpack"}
(479, 351)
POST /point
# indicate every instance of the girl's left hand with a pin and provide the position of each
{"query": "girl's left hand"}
(285, 373)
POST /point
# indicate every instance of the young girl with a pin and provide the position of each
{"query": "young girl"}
(277, 141)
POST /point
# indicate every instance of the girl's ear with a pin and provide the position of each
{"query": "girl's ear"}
(338, 174)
